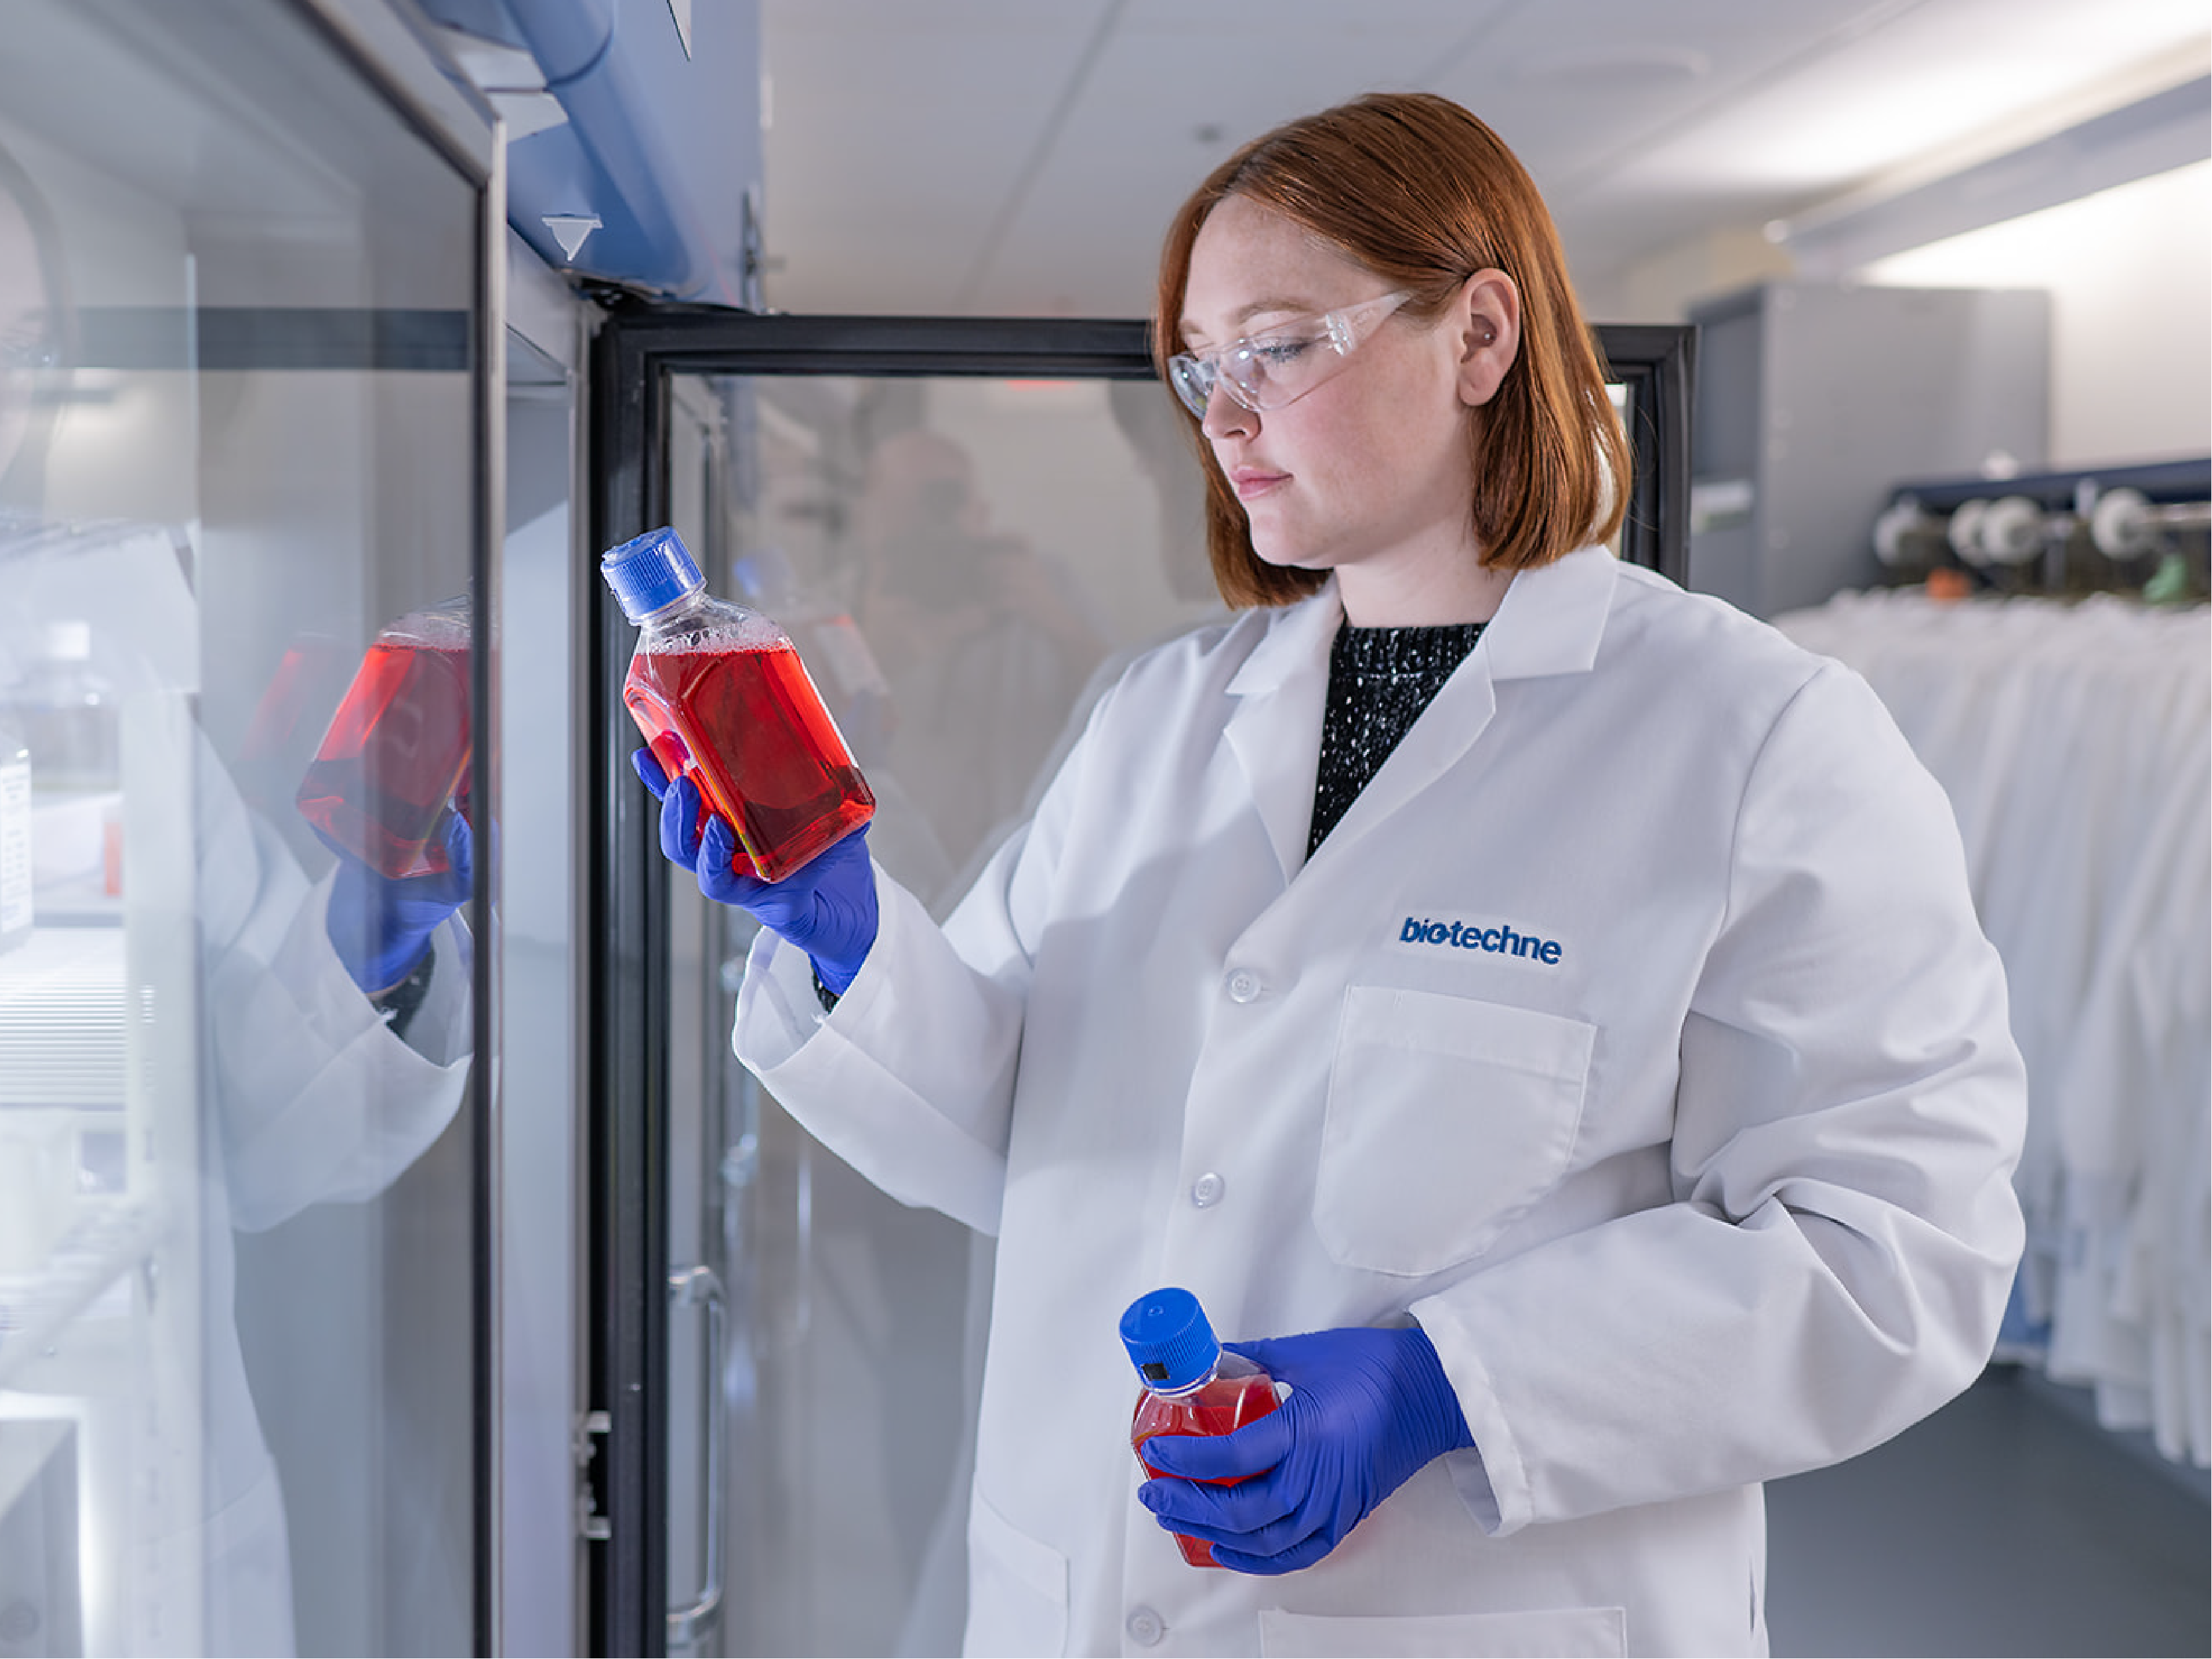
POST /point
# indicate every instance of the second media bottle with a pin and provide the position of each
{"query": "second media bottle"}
(721, 697)
(1192, 1385)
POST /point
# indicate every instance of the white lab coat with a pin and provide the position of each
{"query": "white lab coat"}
(312, 1101)
(1695, 1163)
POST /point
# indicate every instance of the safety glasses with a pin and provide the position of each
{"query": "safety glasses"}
(1267, 371)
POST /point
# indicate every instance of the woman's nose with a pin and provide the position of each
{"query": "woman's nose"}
(1224, 416)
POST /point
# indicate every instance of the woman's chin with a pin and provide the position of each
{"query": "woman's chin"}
(1287, 553)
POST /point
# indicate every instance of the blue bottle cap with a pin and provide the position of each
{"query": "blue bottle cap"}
(650, 572)
(1169, 1339)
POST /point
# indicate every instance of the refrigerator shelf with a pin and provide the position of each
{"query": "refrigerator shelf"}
(62, 1040)
(108, 1237)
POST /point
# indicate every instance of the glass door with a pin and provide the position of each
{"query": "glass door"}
(244, 961)
(967, 527)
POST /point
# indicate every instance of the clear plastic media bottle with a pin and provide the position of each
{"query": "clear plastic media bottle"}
(1192, 1385)
(720, 694)
(851, 681)
(398, 749)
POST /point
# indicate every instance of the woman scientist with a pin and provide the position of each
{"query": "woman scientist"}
(1548, 1004)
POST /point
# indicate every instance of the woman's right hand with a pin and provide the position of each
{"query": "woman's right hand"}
(827, 908)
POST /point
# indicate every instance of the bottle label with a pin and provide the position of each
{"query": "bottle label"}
(15, 844)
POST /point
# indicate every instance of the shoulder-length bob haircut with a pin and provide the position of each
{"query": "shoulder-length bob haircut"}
(1420, 192)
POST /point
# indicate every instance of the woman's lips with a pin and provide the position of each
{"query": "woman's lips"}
(1253, 481)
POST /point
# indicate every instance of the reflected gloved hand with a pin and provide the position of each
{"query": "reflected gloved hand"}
(378, 925)
(826, 908)
(1366, 1409)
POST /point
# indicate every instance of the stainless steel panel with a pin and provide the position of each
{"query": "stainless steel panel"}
(1815, 399)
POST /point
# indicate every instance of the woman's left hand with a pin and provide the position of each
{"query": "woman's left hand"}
(1366, 1409)
(827, 907)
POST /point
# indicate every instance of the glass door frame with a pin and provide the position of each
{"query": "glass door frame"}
(386, 47)
(382, 43)
(639, 347)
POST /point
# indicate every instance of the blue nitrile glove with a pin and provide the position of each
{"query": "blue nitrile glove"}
(378, 925)
(1366, 1409)
(827, 908)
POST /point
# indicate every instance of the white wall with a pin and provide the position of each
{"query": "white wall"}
(2129, 273)
(1662, 286)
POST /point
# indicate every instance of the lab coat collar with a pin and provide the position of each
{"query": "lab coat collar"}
(1552, 617)
(1549, 623)
(1294, 640)
(1275, 730)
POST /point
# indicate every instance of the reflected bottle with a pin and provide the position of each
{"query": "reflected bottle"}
(397, 752)
(720, 696)
(1192, 1385)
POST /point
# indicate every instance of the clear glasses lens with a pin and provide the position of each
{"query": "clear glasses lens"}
(1192, 381)
(1267, 371)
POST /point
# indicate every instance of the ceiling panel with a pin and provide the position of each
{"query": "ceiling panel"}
(1927, 78)
(1022, 156)
(899, 129)
(1175, 88)
(1573, 84)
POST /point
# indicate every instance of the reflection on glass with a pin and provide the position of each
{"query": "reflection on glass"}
(235, 1382)
(397, 752)
(962, 564)
(985, 637)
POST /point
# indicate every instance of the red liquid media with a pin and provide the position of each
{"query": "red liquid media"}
(749, 728)
(1225, 1404)
(396, 750)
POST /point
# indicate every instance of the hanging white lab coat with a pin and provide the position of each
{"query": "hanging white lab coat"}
(1632, 1032)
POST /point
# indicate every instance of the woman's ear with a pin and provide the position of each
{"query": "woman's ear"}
(1487, 315)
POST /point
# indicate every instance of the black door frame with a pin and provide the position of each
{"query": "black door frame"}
(640, 346)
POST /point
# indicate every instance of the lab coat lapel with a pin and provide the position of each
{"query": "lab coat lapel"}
(1446, 730)
(1549, 623)
(1274, 731)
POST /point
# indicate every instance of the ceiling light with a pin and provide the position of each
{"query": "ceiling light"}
(1613, 65)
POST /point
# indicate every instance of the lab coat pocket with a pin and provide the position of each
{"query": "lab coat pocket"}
(1447, 1120)
(1018, 1588)
(1567, 1632)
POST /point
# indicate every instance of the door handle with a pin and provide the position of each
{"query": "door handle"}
(698, 1287)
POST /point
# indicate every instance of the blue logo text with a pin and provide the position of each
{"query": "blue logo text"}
(1495, 941)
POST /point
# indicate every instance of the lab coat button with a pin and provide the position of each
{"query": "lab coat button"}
(1145, 1626)
(1205, 1191)
(1244, 986)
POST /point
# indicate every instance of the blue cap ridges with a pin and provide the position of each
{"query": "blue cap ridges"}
(1170, 1340)
(651, 572)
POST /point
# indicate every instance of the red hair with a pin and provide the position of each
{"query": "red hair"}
(1422, 193)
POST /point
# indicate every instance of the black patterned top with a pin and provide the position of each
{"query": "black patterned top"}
(1379, 681)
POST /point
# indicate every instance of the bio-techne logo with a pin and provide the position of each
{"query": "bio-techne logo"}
(1499, 940)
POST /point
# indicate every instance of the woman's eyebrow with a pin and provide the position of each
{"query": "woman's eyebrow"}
(1250, 309)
